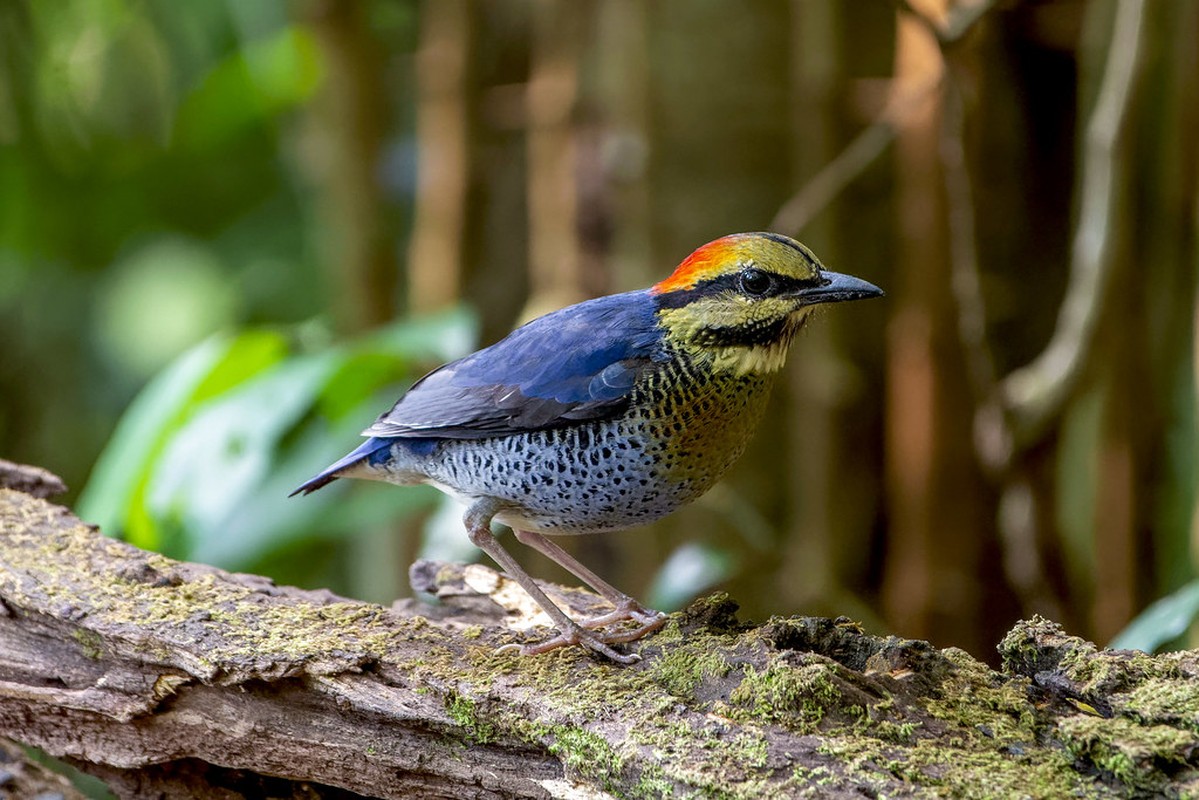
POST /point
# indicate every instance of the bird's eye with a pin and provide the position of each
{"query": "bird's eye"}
(755, 282)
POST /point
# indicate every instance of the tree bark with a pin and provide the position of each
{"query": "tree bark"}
(173, 679)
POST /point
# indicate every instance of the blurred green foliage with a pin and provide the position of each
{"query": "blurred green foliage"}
(201, 464)
(149, 200)
(159, 225)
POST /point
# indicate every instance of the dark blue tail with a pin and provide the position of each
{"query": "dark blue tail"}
(367, 449)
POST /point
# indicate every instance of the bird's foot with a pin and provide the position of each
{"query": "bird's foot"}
(585, 634)
(649, 624)
(629, 609)
(580, 637)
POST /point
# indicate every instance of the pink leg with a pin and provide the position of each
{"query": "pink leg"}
(626, 608)
(478, 527)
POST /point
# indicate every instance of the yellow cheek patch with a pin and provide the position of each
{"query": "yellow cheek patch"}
(686, 329)
(726, 310)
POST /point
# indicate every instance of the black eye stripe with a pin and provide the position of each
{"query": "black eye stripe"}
(731, 282)
(758, 334)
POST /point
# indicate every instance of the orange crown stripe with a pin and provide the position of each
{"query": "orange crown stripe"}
(708, 261)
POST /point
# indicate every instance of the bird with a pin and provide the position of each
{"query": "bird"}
(604, 415)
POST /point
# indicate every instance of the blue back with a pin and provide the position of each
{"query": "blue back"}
(575, 364)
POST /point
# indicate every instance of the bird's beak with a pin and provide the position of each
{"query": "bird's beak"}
(838, 288)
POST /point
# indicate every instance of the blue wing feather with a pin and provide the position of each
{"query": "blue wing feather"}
(575, 364)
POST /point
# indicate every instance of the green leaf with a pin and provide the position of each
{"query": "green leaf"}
(224, 452)
(206, 457)
(389, 356)
(438, 337)
(360, 375)
(119, 478)
(1163, 621)
(121, 464)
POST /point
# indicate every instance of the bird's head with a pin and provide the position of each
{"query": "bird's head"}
(739, 300)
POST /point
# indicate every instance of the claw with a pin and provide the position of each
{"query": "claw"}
(649, 619)
(648, 627)
(584, 634)
(580, 637)
(587, 642)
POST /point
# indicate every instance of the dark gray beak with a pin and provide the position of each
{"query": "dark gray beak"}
(838, 288)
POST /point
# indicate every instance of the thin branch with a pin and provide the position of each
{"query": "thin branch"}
(1036, 393)
(966, 282)
(443, 141)
(851, 162)
(816, 195)
(351, 115)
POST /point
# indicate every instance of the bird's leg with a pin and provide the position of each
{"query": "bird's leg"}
(478, 528)
(626, 608)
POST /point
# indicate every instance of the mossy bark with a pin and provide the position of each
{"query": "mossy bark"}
(175, 679)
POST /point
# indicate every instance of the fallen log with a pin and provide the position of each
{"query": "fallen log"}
(170, 679)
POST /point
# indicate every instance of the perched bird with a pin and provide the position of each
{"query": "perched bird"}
(605, 415)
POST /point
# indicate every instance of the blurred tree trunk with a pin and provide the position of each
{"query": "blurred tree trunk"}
(435, 250)
(1167, 255)
(1172, 259)
(551, 96)
(829, 481)
(614, 216)
(938, 508)
(495, 256)
(622, 89)
(1121, 377)
(811, 524)
(1141, 527)
(1099, 342)
(444, 170)
(558, 35)
(350, 124)
(1017, 93)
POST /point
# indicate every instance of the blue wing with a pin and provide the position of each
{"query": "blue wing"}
(579, 363)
